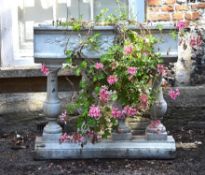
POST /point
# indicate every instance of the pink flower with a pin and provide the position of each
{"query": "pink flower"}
(196, 41)
(76, 137)
(63, 117)
(180, 25)
(174, 93)
(99, 66)
(154, 124)
(132, 70)
(104, 94)
(161, 69)
(112, 79)
(130, 111)
(44, 69)
(128, 49)
(143, 101)
(64, 137)
(116, 113)
(94, 112)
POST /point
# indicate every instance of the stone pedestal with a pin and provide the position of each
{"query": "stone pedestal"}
(156, 130)
(52, 131)
(137, 148)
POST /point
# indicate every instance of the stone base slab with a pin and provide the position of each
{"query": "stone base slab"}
(137, 148)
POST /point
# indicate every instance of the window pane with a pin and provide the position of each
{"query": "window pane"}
(111, 5)
(67, 9)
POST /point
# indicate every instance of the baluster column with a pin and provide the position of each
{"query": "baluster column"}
(51, 108)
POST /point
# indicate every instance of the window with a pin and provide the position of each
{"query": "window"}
(19, 17)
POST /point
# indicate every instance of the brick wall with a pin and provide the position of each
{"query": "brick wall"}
(189, 69)
(175, 10)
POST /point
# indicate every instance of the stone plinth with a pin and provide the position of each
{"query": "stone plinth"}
(137, 148)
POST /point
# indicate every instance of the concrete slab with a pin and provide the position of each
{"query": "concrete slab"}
(138, 148)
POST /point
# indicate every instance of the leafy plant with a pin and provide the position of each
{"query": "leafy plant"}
(118, 85)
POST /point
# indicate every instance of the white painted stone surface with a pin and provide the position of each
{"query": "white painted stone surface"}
(138, 148)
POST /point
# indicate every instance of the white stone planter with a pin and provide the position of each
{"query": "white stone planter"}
(51, 42)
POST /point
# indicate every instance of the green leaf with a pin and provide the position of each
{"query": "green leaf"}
(68, 53)
(173, 34)
(83, 65)
(114, 97)
(159, 27)
(78, 71)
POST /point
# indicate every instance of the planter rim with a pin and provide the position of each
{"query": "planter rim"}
(134, 27)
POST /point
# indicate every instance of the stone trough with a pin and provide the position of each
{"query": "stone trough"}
(50, 44)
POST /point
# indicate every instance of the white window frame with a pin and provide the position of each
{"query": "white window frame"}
(12, 56)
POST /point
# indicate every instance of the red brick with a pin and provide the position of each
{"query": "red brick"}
(188, 16)
(181, 7)
(178, 16)
(192, 16)
(167, 8)
(154, 2)
(170, 2)
(159, 17)
(198, 6)
(153, 9)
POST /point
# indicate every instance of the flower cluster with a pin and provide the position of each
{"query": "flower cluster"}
(99, 66)
(94, 112)
(128, 49)
(75, 138)
(132, 70)
(174, 93)
(104, 94)
(161, 69)
(119, 84)
(181, 25)
(112, 79)
(44, 69)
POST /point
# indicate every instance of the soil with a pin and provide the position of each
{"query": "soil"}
(18, 131)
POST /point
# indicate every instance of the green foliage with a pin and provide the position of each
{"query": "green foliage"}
(76, 24)
(159, 27)
(173, 34)
(127, 90)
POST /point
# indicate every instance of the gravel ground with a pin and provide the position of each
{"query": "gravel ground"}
(17, 160)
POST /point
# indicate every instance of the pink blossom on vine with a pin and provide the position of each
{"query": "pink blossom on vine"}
(94, 112)
(64, 137)
(196, 41)
(128, 49)
(174, 93)
(144, 99)
(180, 25)
(161, 69)
(44, 69)
(99, 66)
(132, 70)
(104, 94)
(116, 113)
(63, 117)
(130, 111)
(112, 79)
(154, 123)
(76, 138)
